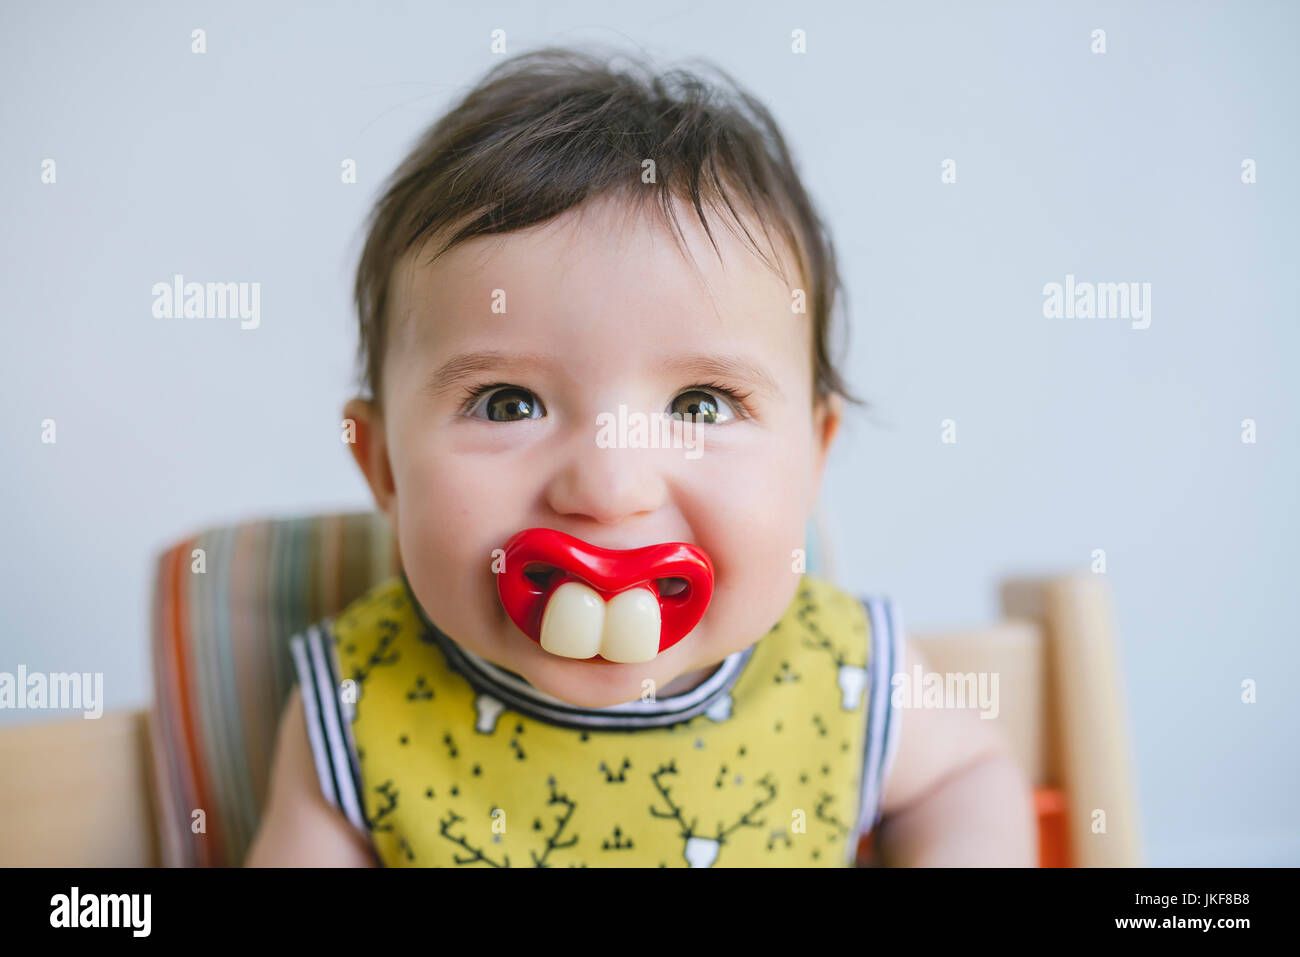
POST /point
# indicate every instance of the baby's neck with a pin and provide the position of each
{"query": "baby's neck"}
(686, 682)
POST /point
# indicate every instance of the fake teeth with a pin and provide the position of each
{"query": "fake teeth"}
(574, 622)
(578, 623)
(631, 627)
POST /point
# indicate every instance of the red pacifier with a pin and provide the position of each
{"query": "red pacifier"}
(580, 601)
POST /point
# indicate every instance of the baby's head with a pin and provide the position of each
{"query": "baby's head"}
(571, 239)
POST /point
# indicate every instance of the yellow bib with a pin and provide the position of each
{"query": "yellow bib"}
(458, 762)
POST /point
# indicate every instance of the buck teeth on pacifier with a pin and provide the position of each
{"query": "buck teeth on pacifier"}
(580, 601)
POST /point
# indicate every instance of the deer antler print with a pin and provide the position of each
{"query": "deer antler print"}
(698, 851)
(405, 845)
(852, 679)
(703, 851)
(476, 854)
(553, 841)
(390, 796)
(823, 642)
(381, 655)
(819, 811)
(673, 812)
(745, 819)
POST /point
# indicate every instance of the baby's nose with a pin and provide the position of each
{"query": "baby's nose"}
(607, 485)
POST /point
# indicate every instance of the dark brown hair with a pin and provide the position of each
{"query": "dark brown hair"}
(545, 131)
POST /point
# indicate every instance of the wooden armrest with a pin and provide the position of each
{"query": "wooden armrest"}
(77, 792)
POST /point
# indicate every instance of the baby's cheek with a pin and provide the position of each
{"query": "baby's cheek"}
(755, 535)
(446, 550)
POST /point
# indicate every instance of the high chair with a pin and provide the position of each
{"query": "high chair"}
(183, 782)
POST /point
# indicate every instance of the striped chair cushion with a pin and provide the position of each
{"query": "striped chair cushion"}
(226, 602)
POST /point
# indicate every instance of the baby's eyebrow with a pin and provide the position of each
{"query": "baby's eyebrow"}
(470, 365)
(724, 367)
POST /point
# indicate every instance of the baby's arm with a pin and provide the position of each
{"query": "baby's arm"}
(955, 797)
(300, 828)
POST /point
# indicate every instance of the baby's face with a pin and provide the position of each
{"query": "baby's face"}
(490, 426)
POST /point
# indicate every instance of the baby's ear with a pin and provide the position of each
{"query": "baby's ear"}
(363, 429)
(827, 413)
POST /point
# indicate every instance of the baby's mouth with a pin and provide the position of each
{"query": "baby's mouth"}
(581, 601)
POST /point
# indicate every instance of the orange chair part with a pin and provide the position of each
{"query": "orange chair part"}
(1053, 835)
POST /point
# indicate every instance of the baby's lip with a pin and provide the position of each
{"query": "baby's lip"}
(607, 571)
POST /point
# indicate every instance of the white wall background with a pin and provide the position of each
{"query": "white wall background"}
(1072, 435)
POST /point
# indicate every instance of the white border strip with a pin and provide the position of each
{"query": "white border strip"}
(334, 731)
(311, 710)
(883, 648)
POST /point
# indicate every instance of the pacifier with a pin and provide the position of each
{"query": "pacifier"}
(580, 601)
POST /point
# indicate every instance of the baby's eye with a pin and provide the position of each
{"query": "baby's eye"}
(710, 407)
(507, 405)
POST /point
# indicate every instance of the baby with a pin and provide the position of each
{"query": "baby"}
(575, 243)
